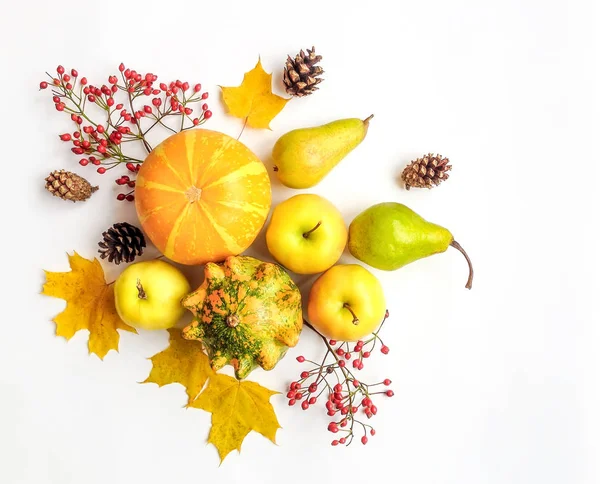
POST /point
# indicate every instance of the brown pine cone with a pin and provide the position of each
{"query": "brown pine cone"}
(426, 172)
(69, 186)
(300, 74)
(122, 243)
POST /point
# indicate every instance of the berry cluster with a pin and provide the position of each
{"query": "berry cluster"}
(347, 397)
(101, 143)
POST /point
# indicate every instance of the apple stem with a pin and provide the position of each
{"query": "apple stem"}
(457, 246)
(141, 292)
(306, 234)
(355, 319)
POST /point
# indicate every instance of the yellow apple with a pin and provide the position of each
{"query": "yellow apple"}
(306, 234)
(346, 303)
(148, 295)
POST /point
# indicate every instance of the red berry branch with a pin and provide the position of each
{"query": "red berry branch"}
(347, 397)
(126, 104)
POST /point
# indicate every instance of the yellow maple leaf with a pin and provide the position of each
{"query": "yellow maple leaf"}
(90, 304)
(237, 407)
(182, 362)
(254, 99)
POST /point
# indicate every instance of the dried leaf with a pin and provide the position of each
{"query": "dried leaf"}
(182, 362)
(237, 407)
(90, 304)
(254, 99)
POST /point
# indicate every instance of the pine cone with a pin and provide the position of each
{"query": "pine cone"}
(300, 75)
(69, 186)
(426, 172)
(122, 242)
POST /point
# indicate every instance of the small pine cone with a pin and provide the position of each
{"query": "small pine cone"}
(426, 172)
(69, 186)
(122, 243)
(300, 75)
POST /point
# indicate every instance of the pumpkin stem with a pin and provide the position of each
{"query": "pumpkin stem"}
(232, 320)
(306, 234)
(193, 194)
(141, 292)
(355, 319)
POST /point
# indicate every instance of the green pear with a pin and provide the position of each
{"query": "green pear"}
(390, 235)
(304, 156)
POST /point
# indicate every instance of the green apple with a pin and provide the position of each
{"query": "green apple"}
(307, 234)
(148, 295)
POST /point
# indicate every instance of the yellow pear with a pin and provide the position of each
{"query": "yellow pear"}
(303, 157)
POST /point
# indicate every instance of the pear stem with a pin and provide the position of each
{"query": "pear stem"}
(306, 234)
(366, 120)
(457, 246)
(355, 319)
(141, 292)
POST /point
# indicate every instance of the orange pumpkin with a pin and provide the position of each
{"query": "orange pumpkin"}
(202, 196)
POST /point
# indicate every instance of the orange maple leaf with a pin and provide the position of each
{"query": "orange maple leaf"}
(253, 99)
(182, 362)
(90, 304)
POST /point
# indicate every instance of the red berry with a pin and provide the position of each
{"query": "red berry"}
(312, 400)
(204, 95)
(121, 67)
(366, 354)
(347, 356)
(66, 78)
(360, 366)
(74, 72)
(147, 109)
(332, 342)
(119, 106)
(387, 382)
(368, 413)
(110, 101)
(120, 181)
(130, 198)
(341, 363)
(83, 81)
(356, 383)
(366, 402)
(340, 352)
(385, 350)
(77, 150)
(345, 411)
(130, 166)
(101, 149)
(60, 69)
(373, 409)
(354, 409)
(156, 101)
(364, 440)
(344, 423)
(312, 388)
(69, 86)
(43, 85)
(332, 427)
(196, 122)
(343, 440)
(101, 170)
(121, 197)
(185, 86)
(197, 87)
(76, 134)
(60, 107)
(304, 374)
(85, 143)
(188, 111)
(389, 393)
(331, 413)
(147, 91)
(95, 161)
(65, 137)
(337, 388)
(355, 363)
(207, 114)
(91, 98)
(84, 162)
(300, 359)
(291, 394)
(329, 405)
(304, 405)
(100, 129)
(298, 396)
(335, 442)
(297, 385)
(372, 431)
(56, 82)
(291, 402)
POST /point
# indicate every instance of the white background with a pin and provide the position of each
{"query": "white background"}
(495, 385)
